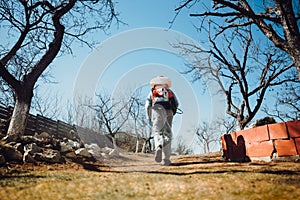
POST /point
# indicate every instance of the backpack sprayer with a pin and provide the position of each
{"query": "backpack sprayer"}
(165, 82)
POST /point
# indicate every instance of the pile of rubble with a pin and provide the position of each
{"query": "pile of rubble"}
(48, 149)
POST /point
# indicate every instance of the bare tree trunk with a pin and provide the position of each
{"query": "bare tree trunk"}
(137, 137)
(144, 146)
(290, 24)
(20, 114)
(114, 142)
(137, 145)
(207, 147)
(149, 143)
(18, 121)
(241, 123)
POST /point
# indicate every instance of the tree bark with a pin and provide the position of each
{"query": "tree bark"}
(20, 113)
(18, 121)
(291, 31)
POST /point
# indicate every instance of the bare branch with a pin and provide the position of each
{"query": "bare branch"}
(278, 21)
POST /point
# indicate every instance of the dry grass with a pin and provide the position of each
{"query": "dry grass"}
(134, 176)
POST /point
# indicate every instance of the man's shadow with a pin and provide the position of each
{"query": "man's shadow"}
(235, 151)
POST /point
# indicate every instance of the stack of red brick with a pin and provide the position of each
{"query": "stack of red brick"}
(281, 139)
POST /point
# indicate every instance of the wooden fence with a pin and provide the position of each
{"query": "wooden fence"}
(39, 124)
(60, 129)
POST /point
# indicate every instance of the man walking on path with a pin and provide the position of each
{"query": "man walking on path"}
(161, 106)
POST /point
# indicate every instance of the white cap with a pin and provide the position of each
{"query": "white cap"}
(160, 80)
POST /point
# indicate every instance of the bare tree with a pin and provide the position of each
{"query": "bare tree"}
(226, 125)
(68, 116)
(181, 148)
(147, 136)
(141, 128)
(136, 114)
(243, 69)
(278, 20)
(208, 135)
(37, 32)
(287, 105)
(82, 115)
(113, 114)
(47, 105)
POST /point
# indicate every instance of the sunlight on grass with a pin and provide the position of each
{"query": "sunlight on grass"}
(109, 185)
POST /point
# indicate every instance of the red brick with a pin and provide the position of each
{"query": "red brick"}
(285, 147)
(257, 134)
(293, 128)
(278, 131)
(259, 149)
(297, 143)
(223, 143)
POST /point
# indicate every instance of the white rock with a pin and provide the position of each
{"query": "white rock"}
(83, 152)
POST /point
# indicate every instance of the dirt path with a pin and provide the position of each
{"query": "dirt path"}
(140, 162)
(133, 162)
